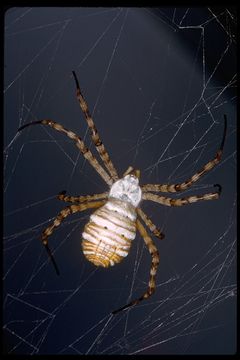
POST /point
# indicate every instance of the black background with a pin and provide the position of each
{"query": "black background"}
(158, 82)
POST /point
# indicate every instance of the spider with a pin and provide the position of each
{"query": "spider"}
(107, 237)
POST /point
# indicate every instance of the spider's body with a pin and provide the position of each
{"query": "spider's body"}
(108, 235)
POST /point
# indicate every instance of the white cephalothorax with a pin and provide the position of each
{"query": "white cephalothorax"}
(127, 189)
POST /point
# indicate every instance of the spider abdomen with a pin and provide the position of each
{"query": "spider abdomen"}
(108, 235)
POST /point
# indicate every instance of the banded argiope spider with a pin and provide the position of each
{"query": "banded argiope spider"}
(112, 227)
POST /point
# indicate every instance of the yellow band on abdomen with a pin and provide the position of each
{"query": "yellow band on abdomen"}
(108, 235)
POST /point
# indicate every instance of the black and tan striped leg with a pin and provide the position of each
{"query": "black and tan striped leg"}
(79, 199)
(94, 133)
(58, 220)
(148, 222)
(172, 188)
(79, 143)
(155, 262)
(183, 201)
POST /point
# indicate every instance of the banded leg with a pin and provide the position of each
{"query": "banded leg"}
(183, 201)
(172, 188)
(79, 199)
(155, 262)
(58, 220)
(94, 133)
(148, 222)
(79, 143)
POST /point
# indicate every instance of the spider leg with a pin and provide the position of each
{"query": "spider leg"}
(79, 143)
(58, 220)
(183, 201)
(172, 188)
(129, 169)
(148, 222)
(155, 262)
(79, 199)
(94, 133)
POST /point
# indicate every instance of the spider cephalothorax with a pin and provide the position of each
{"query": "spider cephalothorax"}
(127, 189)
(107, 237)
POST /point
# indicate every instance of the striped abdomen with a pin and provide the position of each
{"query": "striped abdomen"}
(108, 235)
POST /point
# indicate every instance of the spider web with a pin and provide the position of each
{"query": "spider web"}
(158, 82)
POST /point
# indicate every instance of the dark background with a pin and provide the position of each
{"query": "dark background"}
(158, 82)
